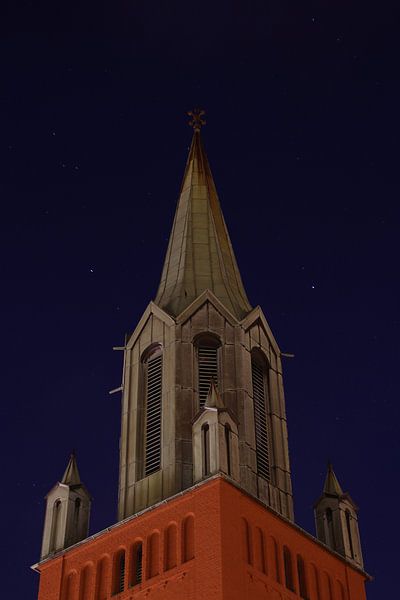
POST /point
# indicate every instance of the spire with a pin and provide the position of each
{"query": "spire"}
(213, 400)
(71, 475)
(200, 254)
(332, 486)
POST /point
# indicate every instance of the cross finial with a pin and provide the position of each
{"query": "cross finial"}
(197, 121)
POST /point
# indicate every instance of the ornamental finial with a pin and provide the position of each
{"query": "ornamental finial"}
(197, 121)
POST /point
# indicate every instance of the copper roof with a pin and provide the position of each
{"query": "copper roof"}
(200, 254)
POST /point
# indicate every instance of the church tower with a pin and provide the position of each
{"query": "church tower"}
(201, 328)
(205, 507)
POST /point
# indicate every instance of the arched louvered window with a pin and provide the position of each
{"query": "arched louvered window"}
(207, 361)
(348, 527)
(55, 525)
(260, 399)
(287, 563)
(153, 408)
(136, 564)
(119, 573)
(301, 572)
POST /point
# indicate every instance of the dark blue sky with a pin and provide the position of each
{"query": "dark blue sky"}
(302, 137)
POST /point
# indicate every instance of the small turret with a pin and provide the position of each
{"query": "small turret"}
(336, 520)
(215, 439)
(67, 512)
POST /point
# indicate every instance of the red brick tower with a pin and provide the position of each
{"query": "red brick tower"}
(205, 499)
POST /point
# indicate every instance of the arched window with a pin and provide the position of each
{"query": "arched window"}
(85, 583)
(316, 582)
(71, 586)
(287, 562)
(170, 547)
(260, 399)
(228, 433)
(342, 595)
(348, 527)
(77, 508)
(328, 587)
(136, 564)
(153, 555)
(102, 578)
(205, 444)
(331, 531)
(301, 572)
(247, 542)
(188, 538)
(207, 363)
(275, 559)
(119, 572)
(55, 525)
(260, 551)
(153, 407)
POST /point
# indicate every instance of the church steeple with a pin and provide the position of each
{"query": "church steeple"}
(200, 254)
(202, 383)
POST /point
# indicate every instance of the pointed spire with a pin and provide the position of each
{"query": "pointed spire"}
(332, 485)
(200, 254)
(71, 475)
(213, 399)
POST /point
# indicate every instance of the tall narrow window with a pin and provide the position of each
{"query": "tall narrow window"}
(260, 417)
(119, 573)
(153, 555)
(55, 525)
(287, 562)
(170, 547)
(228, 448)
(137, 564)
(301, 572)
(207, 356)
(152, 459)
(188, 538)
(348, 526)
(77, 508)
(331, 531)
(102, 578)
(205, 441)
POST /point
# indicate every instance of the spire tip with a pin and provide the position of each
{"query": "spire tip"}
(197, 120)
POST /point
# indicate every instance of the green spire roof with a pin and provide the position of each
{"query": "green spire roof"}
(71, 475)
(200, 254)
(332, 485)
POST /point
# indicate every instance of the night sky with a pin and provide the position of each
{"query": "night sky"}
(302, 102)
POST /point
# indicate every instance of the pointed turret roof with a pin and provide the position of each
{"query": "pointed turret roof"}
(213, 399)
(200, 254)
(71, 475)
(332, 485)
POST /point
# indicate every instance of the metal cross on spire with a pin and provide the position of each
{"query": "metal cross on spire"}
(197, 121)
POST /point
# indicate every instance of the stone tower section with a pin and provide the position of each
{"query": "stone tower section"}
(201, 331)
(67, 512)
(337, 522)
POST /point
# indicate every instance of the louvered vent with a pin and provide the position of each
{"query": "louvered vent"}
(138, 565)
(153, 414)
(208, 370)
(260, 421)
(121, 581)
